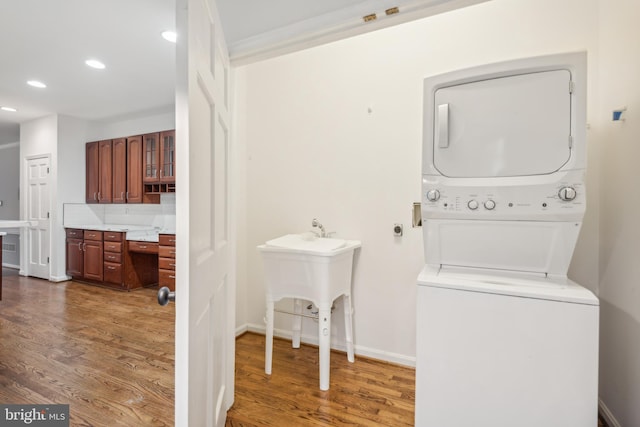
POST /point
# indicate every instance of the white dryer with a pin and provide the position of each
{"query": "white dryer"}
(503, 337)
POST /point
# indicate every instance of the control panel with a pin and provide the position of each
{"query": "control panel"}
(547, 201)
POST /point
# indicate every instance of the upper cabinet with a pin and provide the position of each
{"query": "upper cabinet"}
(136, 169)
(99, 184)
(159, 164)
(119, 168)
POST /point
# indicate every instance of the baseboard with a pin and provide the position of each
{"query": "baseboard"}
(398, 359)
(59, 278)
(13, 266)
(607, 414)
(241, 330)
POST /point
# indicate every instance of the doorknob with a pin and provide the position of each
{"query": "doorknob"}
(165, 295)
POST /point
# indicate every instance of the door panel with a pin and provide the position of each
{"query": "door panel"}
(134, 169)
(38, 234)
(205, 285)
(119, 170)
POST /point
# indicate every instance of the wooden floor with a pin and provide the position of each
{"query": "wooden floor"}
(364, 393)
(109, 355)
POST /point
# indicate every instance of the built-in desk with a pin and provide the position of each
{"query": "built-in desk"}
(106, 257)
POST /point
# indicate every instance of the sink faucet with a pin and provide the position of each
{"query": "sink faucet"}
(316, 223)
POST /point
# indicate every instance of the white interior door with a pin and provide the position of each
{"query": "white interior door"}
(38, 212)
(205, 285)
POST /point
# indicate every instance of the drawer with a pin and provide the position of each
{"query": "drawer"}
(144, 247)
(112, 246)
(167, 278)
(166, 263)
(112, 236)
(92, 235)
(112, 272)
(167, 252)
(113, 257)
(167, 239)
(75, 233)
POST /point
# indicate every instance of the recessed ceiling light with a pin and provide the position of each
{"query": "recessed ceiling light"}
(93, 63)
(8, 109)
(36, 83)
(170, 36)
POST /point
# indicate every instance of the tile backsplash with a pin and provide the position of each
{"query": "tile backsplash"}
(162, 216)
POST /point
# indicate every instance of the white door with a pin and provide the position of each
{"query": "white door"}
(38, 212)
(205, 279)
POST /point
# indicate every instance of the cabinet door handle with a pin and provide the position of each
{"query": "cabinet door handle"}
(142, 247)
(98, 196)
(172, 240)
(95, 196)
(172, 252)
(122, 195)
(172, 277)
(127, 196)
(172, 265)
(84, 247)
(110, 268)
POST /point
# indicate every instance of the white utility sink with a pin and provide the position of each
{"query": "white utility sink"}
(311, 268)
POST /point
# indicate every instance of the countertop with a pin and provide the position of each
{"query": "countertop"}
(141, 233)
(15, 224)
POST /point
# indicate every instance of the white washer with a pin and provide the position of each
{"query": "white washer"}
(503, 337)
(504, 351)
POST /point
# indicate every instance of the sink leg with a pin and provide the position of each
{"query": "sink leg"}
(348, 326)
(297, 323)
(324, 336)
(268, 347)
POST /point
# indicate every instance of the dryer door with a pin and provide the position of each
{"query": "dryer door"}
(509, 126)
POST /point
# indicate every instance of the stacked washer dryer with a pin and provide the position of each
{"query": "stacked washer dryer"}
(504, 338)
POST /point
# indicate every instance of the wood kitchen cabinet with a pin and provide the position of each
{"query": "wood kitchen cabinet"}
(159, 164)
(134, 169)
(99, 178)
(119, 170)
(113, 273)
(93, 255)
(75, 254)
(167, 261)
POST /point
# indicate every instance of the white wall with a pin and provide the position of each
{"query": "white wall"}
(334, 132)
(619, 82)
(10, 181)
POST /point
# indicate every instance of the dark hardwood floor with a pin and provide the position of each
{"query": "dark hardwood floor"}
(110, 356)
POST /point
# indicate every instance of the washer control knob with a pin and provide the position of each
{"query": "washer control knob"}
(489, 205)
(433, 195)
(472, 204)
(567, 194)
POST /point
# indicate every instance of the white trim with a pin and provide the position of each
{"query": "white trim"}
(13, 266)
(333, 26)
(59, 278)
(607, 415)
(398, 359)
(10, 145)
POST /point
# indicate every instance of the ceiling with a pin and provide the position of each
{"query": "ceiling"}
(49, 41)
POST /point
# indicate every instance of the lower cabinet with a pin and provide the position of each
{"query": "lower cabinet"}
(92, 247)
(113, 258)
(167, 261)
(107, 258)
